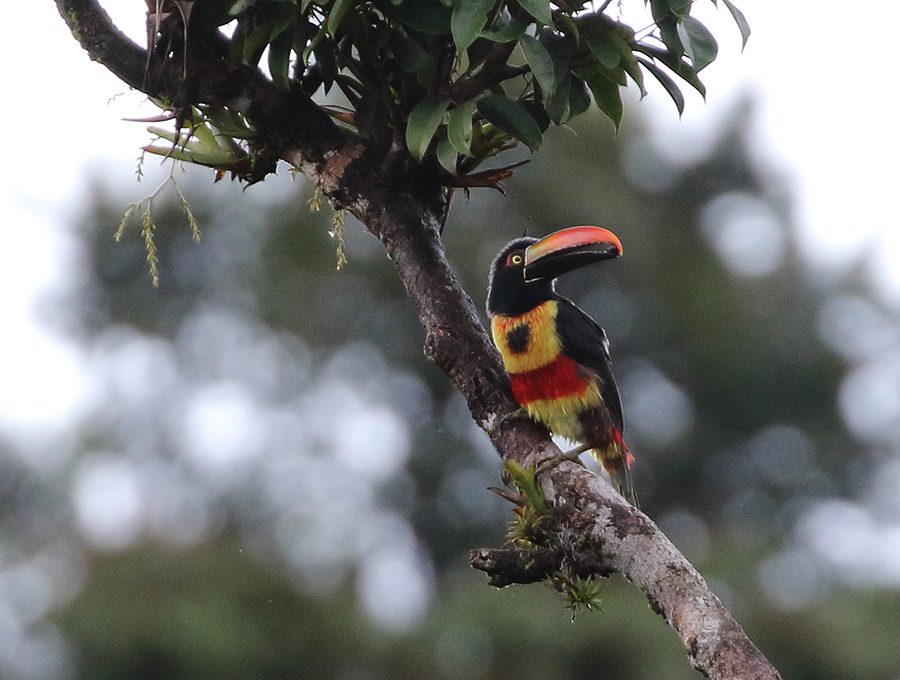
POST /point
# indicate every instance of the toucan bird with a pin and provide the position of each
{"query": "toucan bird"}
(557, 357)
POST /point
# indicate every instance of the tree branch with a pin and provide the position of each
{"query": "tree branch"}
(104, 42)
(491, 70)
(618, 538)
(404, 204)
(287, 120)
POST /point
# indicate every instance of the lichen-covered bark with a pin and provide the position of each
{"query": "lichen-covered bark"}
(404, 204)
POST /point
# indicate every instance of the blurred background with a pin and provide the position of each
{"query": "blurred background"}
(253, 472)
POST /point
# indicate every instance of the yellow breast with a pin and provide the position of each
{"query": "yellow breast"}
(541, 346)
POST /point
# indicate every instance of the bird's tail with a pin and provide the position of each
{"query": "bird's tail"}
(617, 463)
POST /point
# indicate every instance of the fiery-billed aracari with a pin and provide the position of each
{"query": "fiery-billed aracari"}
(557, 357)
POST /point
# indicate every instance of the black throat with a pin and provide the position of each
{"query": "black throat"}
(510, 295)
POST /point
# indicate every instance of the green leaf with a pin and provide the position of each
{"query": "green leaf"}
(459, 127)
(579, 97)
(447, 155)
(411, 56)
(528, 486)
(668, 31)
(425, 16)
(633, 69)
(286, 20)
(741, 21)
(504, 29)
(467, 21)
(537, 111)
(566, 25)
(511, 117)
(666, 82)
(423, 123)
(280, 57)
(681, 68)
(336, 14)
(558, 105)
(623, 38)
(698, 42)
(255, 43)
(605, 91)
(539, 9)
(205, 138)
(239, 6)
(560, 49)
(616, 75)
(228, 122)
(487, 140)
(595, 32)
(661, 9)
(541, 64)
(351, 88)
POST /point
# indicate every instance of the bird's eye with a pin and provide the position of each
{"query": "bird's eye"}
(516, 259)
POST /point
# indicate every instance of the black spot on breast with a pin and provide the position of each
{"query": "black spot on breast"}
(517, 339)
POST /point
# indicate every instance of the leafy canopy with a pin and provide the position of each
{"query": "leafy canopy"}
(458, 81)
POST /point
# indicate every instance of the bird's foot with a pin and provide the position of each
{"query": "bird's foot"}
(571, 455)
(519, 414)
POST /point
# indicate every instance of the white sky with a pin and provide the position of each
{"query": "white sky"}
(827, 115)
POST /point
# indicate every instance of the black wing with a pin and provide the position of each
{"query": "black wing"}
(585, 342)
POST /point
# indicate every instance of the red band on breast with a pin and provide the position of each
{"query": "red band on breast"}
(559, 379)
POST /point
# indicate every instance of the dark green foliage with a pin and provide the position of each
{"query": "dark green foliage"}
(422, 70)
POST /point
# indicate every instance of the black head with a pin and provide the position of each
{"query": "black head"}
(523, 273)
(508, 291)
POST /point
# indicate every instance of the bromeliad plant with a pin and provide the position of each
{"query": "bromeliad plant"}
(453, 81)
